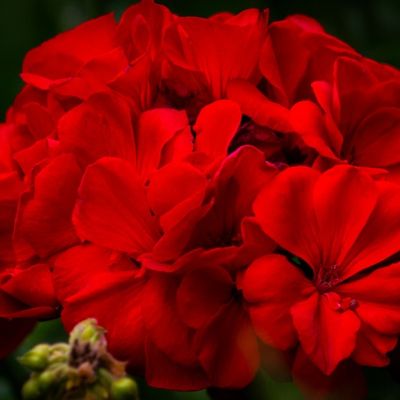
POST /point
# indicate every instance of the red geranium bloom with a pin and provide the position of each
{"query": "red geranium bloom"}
(334, 287)
(95, 57)
(131, 179)
(204, 55)
(141, 166)
(357, 116)
(296, 52)
(204, 296)
(152, 263)
(100, 126)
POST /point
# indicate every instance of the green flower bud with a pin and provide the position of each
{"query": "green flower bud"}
(99, 392)
(59, 352)
(37, 358)
(31, 390)
(90, 334)
(124, 389)
(47, 379)
(104, 377)
(87, 331)
(82, 369)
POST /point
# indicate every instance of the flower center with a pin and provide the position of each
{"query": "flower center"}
(327, 278)
(237, 294)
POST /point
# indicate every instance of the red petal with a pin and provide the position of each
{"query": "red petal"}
(271, 285)
(113, 298)
(12, 308)
(32, 286)
(31, 156)
(326, 335)
(352, 75)
(68, 274)
(112, 209)
(9, 191)
(310, 124)
(195, 44)
(64, 55)
(372, 347)
(39, 120)
(378, 297)
(156, 128)
(255, 241)
(165, 327)
(178, 235)
(233, 197)
(201, 294)
(259, 108)
(44, 218)
(106, 67)
(166, 373)
(228, 348)
(216, 126)
(99, 127)
(284, 59)
(372, 149)
(380, 237)
(186, 180)
(6, 161)
(341, 228)
(146, 20)
(284, 209)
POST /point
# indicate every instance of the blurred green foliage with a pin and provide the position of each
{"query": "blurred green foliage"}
(371, 26)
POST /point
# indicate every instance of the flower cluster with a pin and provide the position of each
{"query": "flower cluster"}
(212, 191)
(79, 370)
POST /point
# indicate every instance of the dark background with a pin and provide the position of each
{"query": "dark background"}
(370, 26)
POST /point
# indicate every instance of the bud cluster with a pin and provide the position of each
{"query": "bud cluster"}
(79, 370)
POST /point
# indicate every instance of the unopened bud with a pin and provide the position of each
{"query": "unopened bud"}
(37, 358)
(82, 369)
(90, 334)
(99, 392)
(105, 377)
(47, 379)
(31, 390)
(87, 331)
(124, 389)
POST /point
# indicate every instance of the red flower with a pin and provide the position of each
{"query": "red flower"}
(131, 179)
(356, 116)
(204, 55)
(156, 249)
(203, 297)
(296, 53)
(334, 286)
(99, 56)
